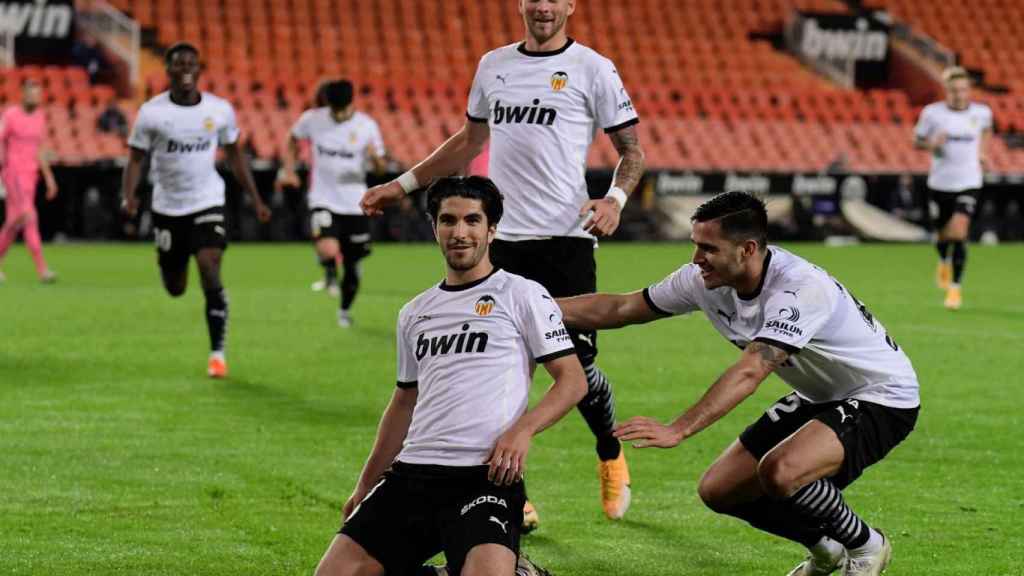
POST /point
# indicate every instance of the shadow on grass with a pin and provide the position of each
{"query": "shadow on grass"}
(268, 404)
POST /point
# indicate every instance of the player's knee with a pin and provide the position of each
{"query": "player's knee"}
(346, 566)
(175, 290)
(713, 493)
(778, 475)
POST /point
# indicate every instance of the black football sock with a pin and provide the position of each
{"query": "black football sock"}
(776, 517)
(959, 260)
(217, 318)
(349, 284)
(330, 270)
(943, 247)
(598, 409)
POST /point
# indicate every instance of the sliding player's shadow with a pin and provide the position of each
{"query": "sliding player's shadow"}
(270, 404)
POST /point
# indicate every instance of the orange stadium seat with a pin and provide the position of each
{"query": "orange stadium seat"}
(711, 97)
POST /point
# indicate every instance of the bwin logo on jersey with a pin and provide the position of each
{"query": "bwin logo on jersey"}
(463, 342)
(322, 151)
(174, 146)
(535, 114)
(484, 306)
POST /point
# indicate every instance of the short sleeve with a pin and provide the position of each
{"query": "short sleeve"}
(376, 139)
(301, 128)
(141, 136)
(408, 369)
(987, 121)
(613, 108)
(540, 321)
(677, 293)
(925, 125)
(795, 314)
(228, 133)
(478, 109)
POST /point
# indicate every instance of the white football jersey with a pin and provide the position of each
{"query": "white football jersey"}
(182, 142)
(471, 351)
(838, 350)
(338, 151)
(544, 109)
(958, 167)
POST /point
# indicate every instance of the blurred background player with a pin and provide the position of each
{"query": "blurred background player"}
(343, 142)
(446, 469)
(955, 132)
(540, 102)
(23, 157)
(181, 130)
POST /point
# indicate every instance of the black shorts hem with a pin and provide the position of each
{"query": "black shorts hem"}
(867, 431)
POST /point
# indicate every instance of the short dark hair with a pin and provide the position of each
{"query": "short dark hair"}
(742, 216)
(472, 187)
(321, 93)
(179, 47)
(338, 94)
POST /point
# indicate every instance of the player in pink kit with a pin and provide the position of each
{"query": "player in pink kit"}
(22, 129)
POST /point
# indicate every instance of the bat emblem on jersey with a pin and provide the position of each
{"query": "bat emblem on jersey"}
(728, 317)
(559, 80)
(484, 305)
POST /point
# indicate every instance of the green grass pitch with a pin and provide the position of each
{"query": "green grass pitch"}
(118, 455)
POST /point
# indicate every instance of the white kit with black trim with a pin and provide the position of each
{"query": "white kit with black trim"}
(471, 351)
(544, 109)
(182, 142)
(838, 349)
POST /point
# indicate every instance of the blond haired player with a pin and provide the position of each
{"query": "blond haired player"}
(955, 131)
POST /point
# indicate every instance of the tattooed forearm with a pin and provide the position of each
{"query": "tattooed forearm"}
(772, 357)
(631, 159)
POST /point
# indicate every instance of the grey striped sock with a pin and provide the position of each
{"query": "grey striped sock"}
(822, 501)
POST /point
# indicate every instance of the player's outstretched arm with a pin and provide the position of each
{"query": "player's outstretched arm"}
(740, 380)
(391, 432)
(240, 167)
(508, 459)
(130, 181)
(604, 311)
(447, 159)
